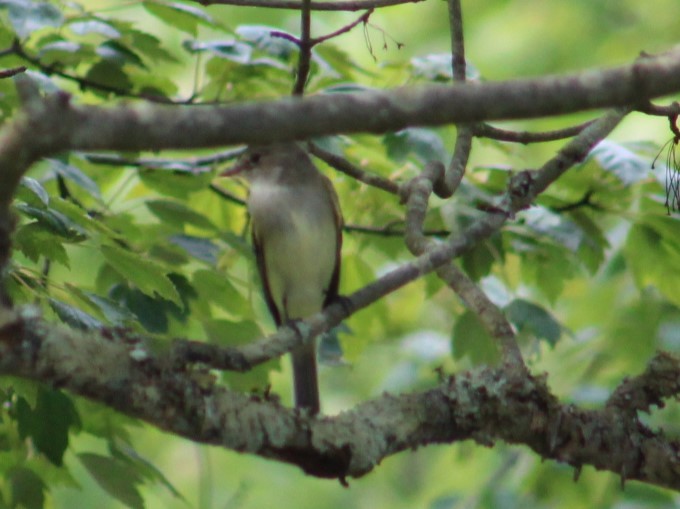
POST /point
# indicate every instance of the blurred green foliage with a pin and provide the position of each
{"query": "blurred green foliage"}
(593, 290)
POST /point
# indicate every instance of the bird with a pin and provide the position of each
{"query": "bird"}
(296, 224)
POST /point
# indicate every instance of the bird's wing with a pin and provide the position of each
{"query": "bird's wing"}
(332, 290)
(262, 269)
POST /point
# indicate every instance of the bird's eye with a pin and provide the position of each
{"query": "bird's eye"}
(254, 158)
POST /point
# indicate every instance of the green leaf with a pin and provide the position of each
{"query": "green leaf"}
(107, 73)
(181, 16)
(178, 215)
(152, 313)
(261, 37)
(479, 260)
(28, 489)
(63, 53)
(425, 144)
(119, 54)
(652, 251)
(633, 330)
(437, 67)
(101, 421)
(231, 50)
(48, 423)
(94, 26)
(613, 157)
(198, 247)
(469, 337)
(141, 465)
(115, 477)
(218, 290)
(36, 188)
(148, 44)
(546, 265)
(27, 17)
(146, 275)
(54, 221)
(533, 319)
(81, 218)
(594, 243)
(555, 226)
(74, 317)
(168, 253)
(175, 184)
(114, 313)
(238, 243)
(75, 175)
(341, 62)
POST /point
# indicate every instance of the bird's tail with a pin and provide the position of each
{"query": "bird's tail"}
(305, 378)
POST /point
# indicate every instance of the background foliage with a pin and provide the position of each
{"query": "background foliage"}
(589, 276)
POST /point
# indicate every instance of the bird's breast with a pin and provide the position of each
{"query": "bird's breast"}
(296, 229)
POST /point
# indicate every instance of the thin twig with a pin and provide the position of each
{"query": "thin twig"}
(390, 231)
(484, 130)
(361, 19)
(12, 71)
(465, 132)
(458, 64)
(305, 46)
(186, 164)
(661, 111)
(318, 40)
(343, 165)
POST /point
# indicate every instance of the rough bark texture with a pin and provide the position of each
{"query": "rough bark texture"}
(484, 405)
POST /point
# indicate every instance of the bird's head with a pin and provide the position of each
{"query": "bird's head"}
(268, 162)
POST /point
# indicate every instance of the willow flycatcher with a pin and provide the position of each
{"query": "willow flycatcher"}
(297, 236)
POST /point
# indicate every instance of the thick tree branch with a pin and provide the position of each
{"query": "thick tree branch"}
(155, 126)
(659, 381)
(347, 5)
(484, 405)
(56, 124)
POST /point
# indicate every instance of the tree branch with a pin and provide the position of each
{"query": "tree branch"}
(526, 137)
(185, 164)
(461, 152)
(483, 405)
(12, 71)
(348, 5)
(343, 165)
(418, 193)
(361, 19)
(305, 48)
(155, 126)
